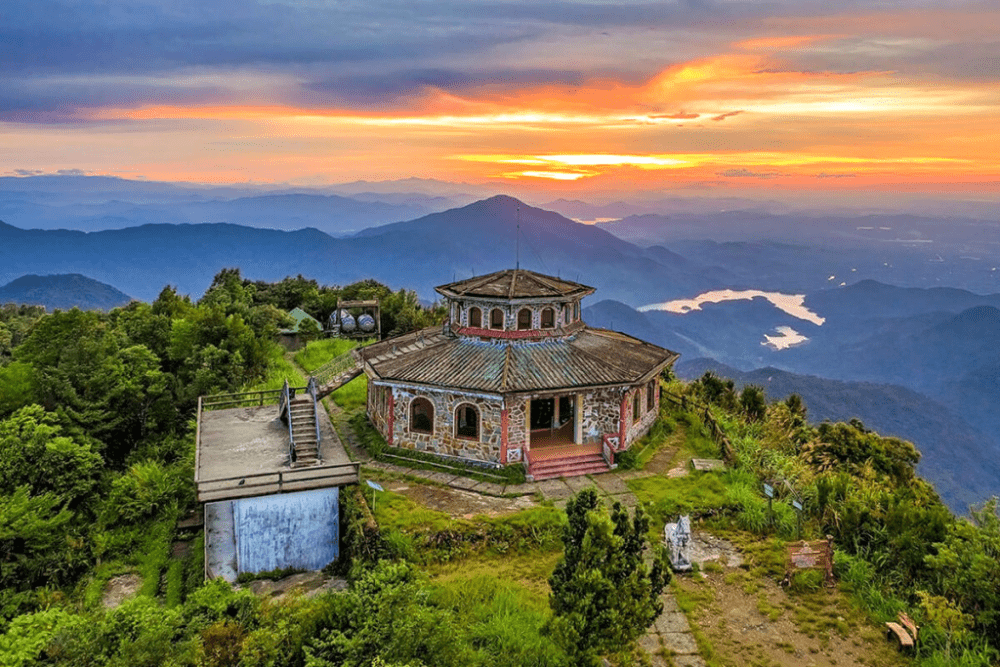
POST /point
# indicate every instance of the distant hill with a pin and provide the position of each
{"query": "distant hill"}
(332, 214)
(963, 466)
(64, 292)
(419, 254)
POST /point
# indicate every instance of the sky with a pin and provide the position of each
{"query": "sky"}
(574, 96)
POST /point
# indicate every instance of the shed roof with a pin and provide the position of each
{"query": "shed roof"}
(515, 284)
(592, 357)
(300, 316)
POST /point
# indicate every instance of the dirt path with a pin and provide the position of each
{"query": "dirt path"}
(753, 621)
(458, 503)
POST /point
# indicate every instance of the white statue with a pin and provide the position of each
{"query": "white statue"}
(678, 536)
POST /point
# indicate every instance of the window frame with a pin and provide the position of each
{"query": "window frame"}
(551, 318)
(429, 415)
(520, 312)
(479, 313)
(493, 325)
(478, 421)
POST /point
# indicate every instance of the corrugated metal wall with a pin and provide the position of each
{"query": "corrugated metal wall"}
(299, 530)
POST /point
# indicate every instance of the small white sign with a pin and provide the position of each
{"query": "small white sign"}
(374, 485)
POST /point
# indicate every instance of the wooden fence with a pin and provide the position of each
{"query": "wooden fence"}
(702, 409)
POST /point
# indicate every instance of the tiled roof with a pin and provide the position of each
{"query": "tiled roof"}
(592, 357)
(515, 284)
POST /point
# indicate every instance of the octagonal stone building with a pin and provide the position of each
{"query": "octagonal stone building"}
(515, 376)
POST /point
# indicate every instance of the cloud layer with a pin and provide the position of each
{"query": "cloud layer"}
(789, 95)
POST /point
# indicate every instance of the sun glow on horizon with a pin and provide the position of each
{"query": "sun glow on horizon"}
(772, 108)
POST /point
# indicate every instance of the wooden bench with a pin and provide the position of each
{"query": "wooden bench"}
(905, 632)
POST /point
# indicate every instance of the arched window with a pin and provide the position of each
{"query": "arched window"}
(421, 416)
(635, 406)
(651, 390)
(576, 310)
(548, 318)
(475, 317)
(523, 319)
(496, 319)
(567, 315)
(467, 421)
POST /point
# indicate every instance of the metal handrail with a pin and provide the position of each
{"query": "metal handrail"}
(311, 388)
(249, 484)
(339, 364)
(286, 404)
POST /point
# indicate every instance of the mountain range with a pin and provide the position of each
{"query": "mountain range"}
(419, 254)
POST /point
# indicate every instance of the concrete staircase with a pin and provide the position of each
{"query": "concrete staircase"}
(568, 466)
(302, 413)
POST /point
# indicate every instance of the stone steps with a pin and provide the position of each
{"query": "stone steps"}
(569, 466)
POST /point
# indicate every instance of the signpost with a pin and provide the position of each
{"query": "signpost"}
(769, 492)
(375, 487)
(798, 514)
(815, 555)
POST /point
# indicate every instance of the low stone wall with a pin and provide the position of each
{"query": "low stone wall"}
(443, 439)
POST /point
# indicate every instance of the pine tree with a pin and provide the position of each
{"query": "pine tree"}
(603, 595)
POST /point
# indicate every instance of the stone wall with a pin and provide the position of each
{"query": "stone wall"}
(639, 428)
(601, 411)
(443, 440)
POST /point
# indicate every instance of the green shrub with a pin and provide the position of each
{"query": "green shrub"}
(804, 581)
(145, 490)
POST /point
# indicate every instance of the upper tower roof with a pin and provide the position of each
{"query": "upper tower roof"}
(515, 284)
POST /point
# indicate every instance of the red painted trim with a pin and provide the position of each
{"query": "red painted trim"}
(518, 335)
(622, 423)
(391, 419)
(504, 421)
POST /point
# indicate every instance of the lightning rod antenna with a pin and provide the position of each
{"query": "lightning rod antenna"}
(517, 242)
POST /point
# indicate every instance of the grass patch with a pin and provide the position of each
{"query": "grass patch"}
(353, 395)
(501, 619)
(153, 554)
(415, 533)
(396, 511)
(174, 586)
(318, 352)
(663, 433)
(530, 572)
(820, 613)
(279, 368)
(664, 498)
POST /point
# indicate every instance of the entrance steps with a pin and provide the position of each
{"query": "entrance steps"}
(568, 466)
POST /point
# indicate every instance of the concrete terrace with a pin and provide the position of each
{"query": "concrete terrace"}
(243, 452)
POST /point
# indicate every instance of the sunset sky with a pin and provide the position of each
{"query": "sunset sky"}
(776, 97)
